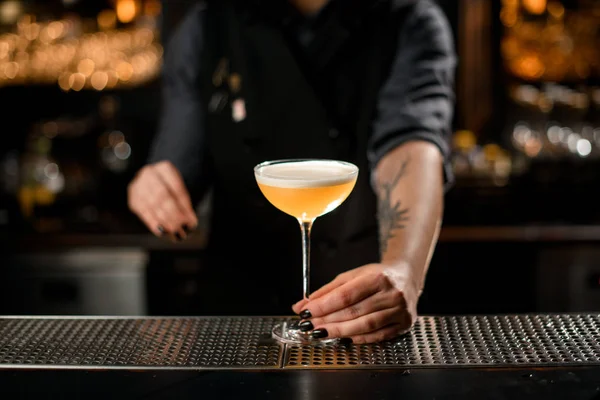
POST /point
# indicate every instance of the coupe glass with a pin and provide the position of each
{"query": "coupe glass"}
(305, 189)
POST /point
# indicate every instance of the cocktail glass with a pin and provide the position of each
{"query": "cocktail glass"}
(305, 189)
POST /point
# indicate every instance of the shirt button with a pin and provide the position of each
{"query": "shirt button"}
(334, 133)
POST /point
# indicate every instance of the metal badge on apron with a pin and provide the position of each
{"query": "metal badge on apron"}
(238, 107)
(219, 100)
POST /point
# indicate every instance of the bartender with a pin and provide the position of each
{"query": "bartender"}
(364, 81)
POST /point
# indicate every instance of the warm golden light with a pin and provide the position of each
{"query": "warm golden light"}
(77, 81)
(59, 52)
(492, 152)
(10, 11)
(544, 103)
(533, 147)
(4, 49)
(143, 37)
(531, 66)
(31, 31)
(508, 17)
(55, 30)
(464, 140)
(63, 81)
(152, 8)
(112, 79)
(11, 70)
(559, 45)
(124, 71)
(99, 80)
(126, 10)
(535, 6)
(86, 67)
(107, 19)
(556, 9)
(510, 47)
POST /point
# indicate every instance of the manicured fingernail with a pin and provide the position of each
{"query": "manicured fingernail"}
(188, 229)
(178, 236)
(160, 229)
(305, 314)
(306, 326)
(346, 341)
(320, 333)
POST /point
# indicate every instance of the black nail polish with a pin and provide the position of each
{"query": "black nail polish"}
(178, 236)
(305, 314)
(320, 333)
(346, 341)
(306, 326)
(160, 229)
(188, 229)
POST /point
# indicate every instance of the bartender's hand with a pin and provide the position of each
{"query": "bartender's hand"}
(158, 196)
(367, 304)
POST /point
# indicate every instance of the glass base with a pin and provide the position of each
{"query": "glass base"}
(288, 332)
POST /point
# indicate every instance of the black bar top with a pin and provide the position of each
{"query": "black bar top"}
(571, 383)
(197, 241)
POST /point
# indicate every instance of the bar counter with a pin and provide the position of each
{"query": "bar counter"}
(549, 356)
(197, 241)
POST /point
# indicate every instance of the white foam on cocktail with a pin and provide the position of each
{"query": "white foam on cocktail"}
(306, 174)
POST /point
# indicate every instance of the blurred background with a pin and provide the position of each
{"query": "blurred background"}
(80, 97)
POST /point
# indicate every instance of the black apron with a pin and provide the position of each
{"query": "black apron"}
(317, 102)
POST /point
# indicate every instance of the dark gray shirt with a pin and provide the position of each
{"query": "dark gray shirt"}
(415, 103)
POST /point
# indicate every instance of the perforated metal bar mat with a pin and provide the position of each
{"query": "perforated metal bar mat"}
(469, 341)
(213, 343)
(244, 343)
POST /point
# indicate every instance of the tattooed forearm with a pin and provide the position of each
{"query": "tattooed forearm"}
(390, 213)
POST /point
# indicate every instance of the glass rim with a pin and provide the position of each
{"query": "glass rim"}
(257, 167)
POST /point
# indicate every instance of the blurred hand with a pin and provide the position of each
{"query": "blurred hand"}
(158, 196)
(367, 304)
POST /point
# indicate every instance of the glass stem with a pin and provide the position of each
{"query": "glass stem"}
(305, 227)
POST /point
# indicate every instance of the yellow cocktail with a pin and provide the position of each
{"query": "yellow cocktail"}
(305, 189)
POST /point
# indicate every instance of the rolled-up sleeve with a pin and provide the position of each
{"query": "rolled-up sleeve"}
(181, 138)
(416, 102)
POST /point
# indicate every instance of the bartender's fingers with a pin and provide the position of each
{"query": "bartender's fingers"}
(345, 295)
(171, 177)
(164, 205)
(147, 216)
(377, 302)
(168, 216)
(140, 206)
(299, 306)
(137, 201)
(335, 283)
(387, 333)
(364, 325)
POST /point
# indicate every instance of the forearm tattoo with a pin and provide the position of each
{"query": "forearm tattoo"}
(391, 215)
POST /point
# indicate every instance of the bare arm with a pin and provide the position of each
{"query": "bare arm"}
(409, 186)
